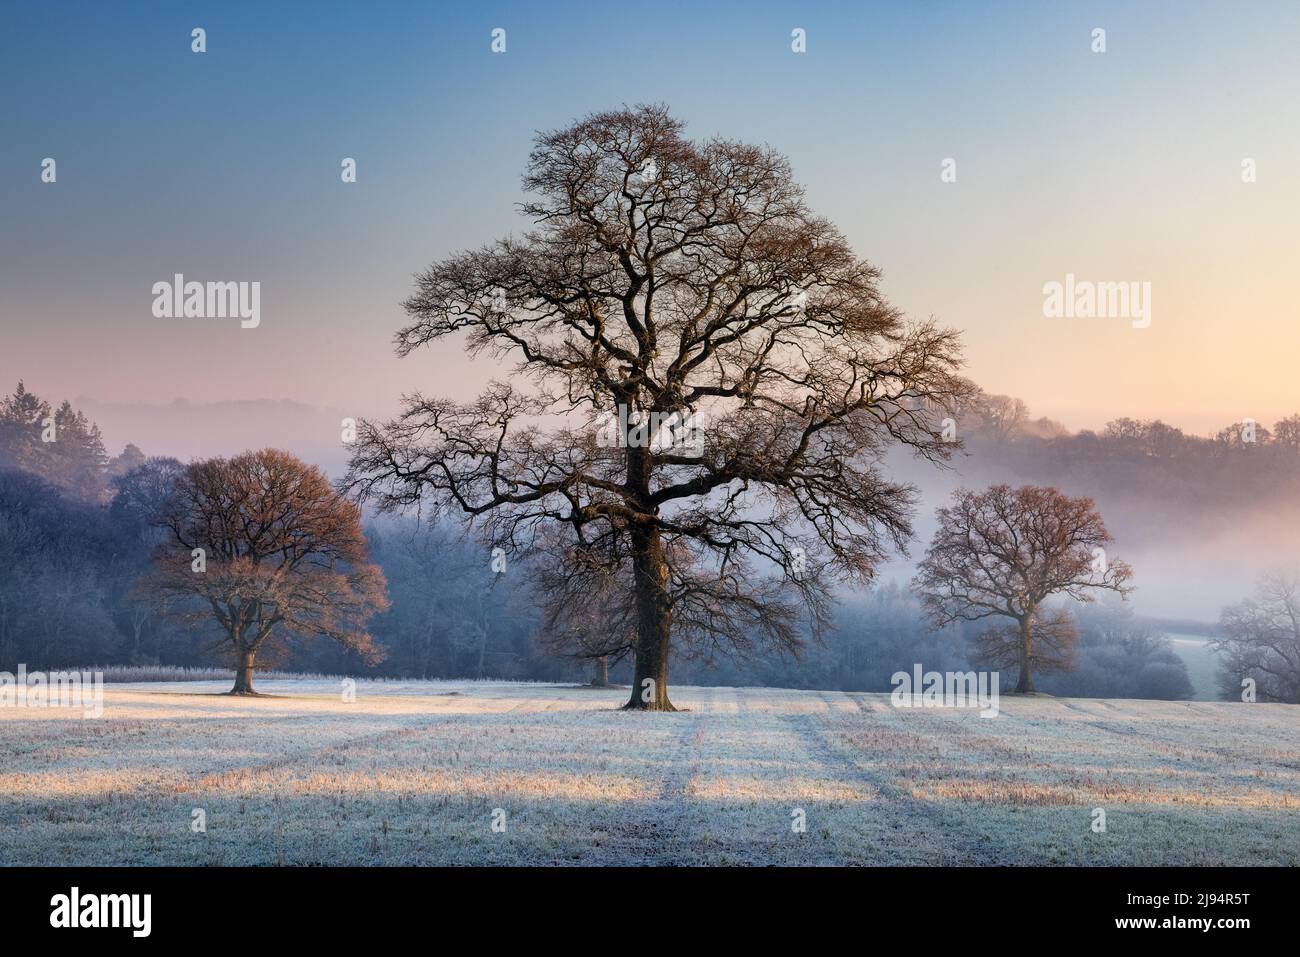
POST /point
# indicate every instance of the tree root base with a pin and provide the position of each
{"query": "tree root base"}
(643, 706)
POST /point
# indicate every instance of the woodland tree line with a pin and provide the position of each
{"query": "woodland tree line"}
(1245, 463)
(77, 530)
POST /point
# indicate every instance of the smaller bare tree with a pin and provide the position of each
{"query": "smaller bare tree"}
(1286, 433)
(263, 544)
(587, 612)
(1000, 417)
(1000, 554)
(1261, 641)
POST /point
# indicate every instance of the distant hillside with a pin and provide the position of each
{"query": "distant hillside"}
(188, 430)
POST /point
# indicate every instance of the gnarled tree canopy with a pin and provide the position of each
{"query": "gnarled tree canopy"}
(707, 379)
(1001, 553)
(264, 547)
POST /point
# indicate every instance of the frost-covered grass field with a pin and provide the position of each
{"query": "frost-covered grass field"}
(411, 773)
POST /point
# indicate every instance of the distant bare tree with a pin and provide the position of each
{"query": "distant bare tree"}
(1243, 435)
(713, 379)
(588, 610)
(282, 555)
(1286, 432)
(142, 493)
(1002, 553)
(1261, 641)
(1125, 429)
(1150, 437)
(1001, 417)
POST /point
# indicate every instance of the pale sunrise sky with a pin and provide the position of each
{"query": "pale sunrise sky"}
(1117, 166)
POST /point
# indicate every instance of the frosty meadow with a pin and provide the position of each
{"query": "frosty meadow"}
(466, 772)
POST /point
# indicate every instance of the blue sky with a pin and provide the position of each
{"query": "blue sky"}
(225, 165)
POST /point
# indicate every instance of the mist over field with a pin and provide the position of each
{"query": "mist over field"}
(1195, 553)
(1198, 538)
(1201, 520)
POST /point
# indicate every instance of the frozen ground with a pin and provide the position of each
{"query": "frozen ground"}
(411, 773)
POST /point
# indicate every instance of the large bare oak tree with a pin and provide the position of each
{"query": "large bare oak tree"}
(707, 379)
(263, 545)
(1001, 553)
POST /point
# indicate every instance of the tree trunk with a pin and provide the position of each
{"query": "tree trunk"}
(1026, 683)
(654, 623)
(601, 678)
(244, 672)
